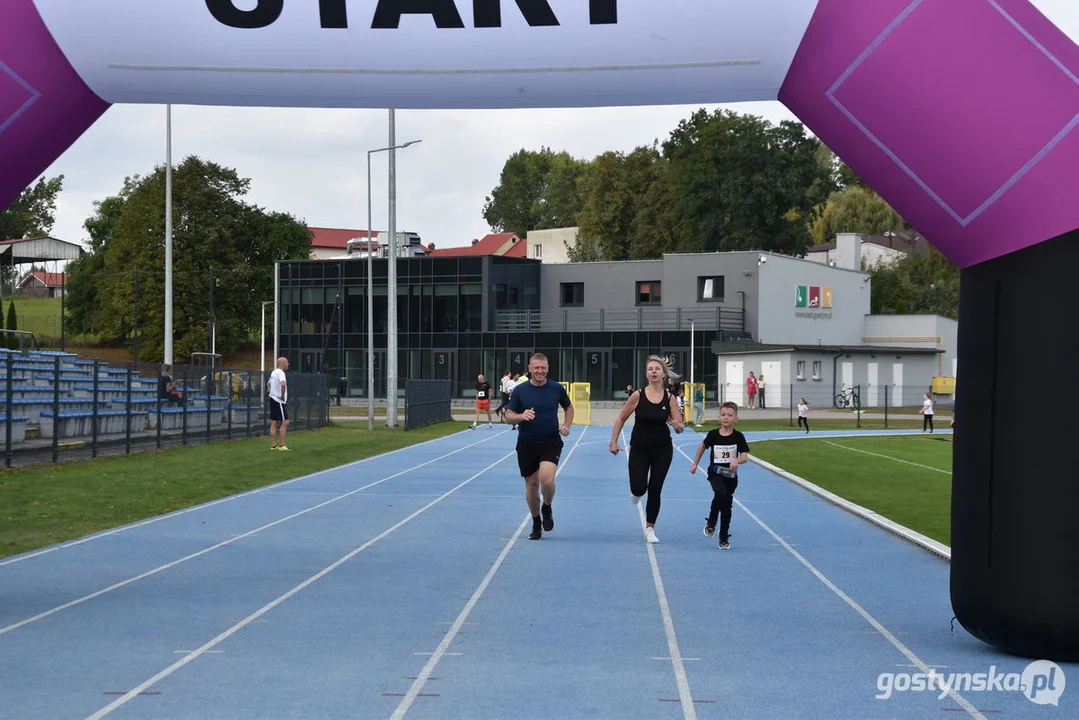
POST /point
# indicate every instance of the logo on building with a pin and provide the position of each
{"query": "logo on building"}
(812, 296)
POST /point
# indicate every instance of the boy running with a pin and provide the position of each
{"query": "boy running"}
(729, 450)
(483, 401)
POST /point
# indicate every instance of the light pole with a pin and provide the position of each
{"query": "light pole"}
(370, 293)
(262, 350)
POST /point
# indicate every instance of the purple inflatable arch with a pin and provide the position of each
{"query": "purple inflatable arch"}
(960, 113)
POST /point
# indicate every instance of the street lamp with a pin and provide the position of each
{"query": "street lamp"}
(370, 293)
(262, 350)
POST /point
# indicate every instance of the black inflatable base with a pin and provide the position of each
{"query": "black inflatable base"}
(1015, 483)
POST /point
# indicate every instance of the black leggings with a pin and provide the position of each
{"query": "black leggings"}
(803, 421)
(647, 470)
(722, 501)
(927, 422)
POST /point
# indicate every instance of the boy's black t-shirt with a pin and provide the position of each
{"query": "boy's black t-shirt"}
(483, 391)
(724, 448)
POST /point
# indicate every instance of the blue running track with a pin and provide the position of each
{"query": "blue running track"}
(405, 586)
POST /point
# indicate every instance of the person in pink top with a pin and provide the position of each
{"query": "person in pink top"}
(751, 389)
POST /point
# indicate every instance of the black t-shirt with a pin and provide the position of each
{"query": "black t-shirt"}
(650, 421)
(483, 391)
(725, 448)
(163, 385)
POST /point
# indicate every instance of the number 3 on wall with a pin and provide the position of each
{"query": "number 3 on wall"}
(441, 359)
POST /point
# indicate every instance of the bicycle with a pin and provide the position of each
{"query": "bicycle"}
(848, 399)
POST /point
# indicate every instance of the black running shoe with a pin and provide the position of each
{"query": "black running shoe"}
(537, 530)
(724, 543)
(709, 530)
(548, 518)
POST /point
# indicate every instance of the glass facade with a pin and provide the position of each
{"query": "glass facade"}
(446, 308)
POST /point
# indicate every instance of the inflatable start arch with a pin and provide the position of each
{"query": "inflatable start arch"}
(960, 113)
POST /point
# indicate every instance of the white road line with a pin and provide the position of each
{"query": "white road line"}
(203, 506)
(192, 556)
(887, 457)
(425, 674)
(918, 662)
(134, 692)
(680, 677)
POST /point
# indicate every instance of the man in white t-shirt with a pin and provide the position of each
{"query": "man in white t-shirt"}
(278, 389)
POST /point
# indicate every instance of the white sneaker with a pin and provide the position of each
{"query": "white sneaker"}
(636, 500)
(490, 426)
(650, 536)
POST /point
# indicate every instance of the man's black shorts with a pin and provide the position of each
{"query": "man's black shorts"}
(530, 454)
(278, 411)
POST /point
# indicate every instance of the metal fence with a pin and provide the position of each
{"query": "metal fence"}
(731, 322)
(880, 402)
(58, 407)
(427, 402)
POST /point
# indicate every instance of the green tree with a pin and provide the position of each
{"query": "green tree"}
(613, 190)
(536, 191)
(212, 227)
(926, 283)
(32, 214)
(855, 209)
(741, 183)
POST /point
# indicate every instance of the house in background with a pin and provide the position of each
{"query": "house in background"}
(39, 283)
(498, 244)
(868, 250)
(329, 243)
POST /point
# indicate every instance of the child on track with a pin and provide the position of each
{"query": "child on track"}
(803, 414)
(729, 450)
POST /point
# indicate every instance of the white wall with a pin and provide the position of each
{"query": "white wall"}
(552, 244)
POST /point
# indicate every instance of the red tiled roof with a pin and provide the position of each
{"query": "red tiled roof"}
(518, 249)
(336, 238)
(48, 279)
(489, 245)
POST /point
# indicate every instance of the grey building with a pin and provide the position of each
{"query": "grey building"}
(805, 325)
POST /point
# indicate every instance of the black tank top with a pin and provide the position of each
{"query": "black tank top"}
(650, 421)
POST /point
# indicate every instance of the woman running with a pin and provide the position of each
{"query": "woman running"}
(651, 449)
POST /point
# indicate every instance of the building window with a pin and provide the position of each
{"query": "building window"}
(537, 250)
(572, 295)
(649, 292)
(710, 289)
(801, 374)
(816, 369)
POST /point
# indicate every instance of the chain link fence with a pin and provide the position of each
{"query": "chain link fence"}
(58, 407)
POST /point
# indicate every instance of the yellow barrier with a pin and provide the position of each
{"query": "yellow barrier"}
(580, 394)
(689, 412)
(943, 385)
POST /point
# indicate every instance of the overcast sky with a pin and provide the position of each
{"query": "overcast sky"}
(312, 163)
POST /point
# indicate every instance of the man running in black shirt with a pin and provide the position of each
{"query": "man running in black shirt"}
(483, 401)
(534, 407)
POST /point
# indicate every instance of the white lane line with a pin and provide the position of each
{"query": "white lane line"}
(689, 712)
(425, 674)
(917, 661)
(274, 603)
(887, 457)
(192, 556)
(203, 506)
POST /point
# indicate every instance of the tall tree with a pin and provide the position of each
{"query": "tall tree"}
(32, 214)
(536, 191)
(613, 190)
(741, 183)
(213, 227)
(926, 283)
(855, 209)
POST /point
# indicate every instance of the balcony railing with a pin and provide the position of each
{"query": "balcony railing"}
(730, 322)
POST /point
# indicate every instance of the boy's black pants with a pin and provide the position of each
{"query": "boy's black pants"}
(722, 500)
